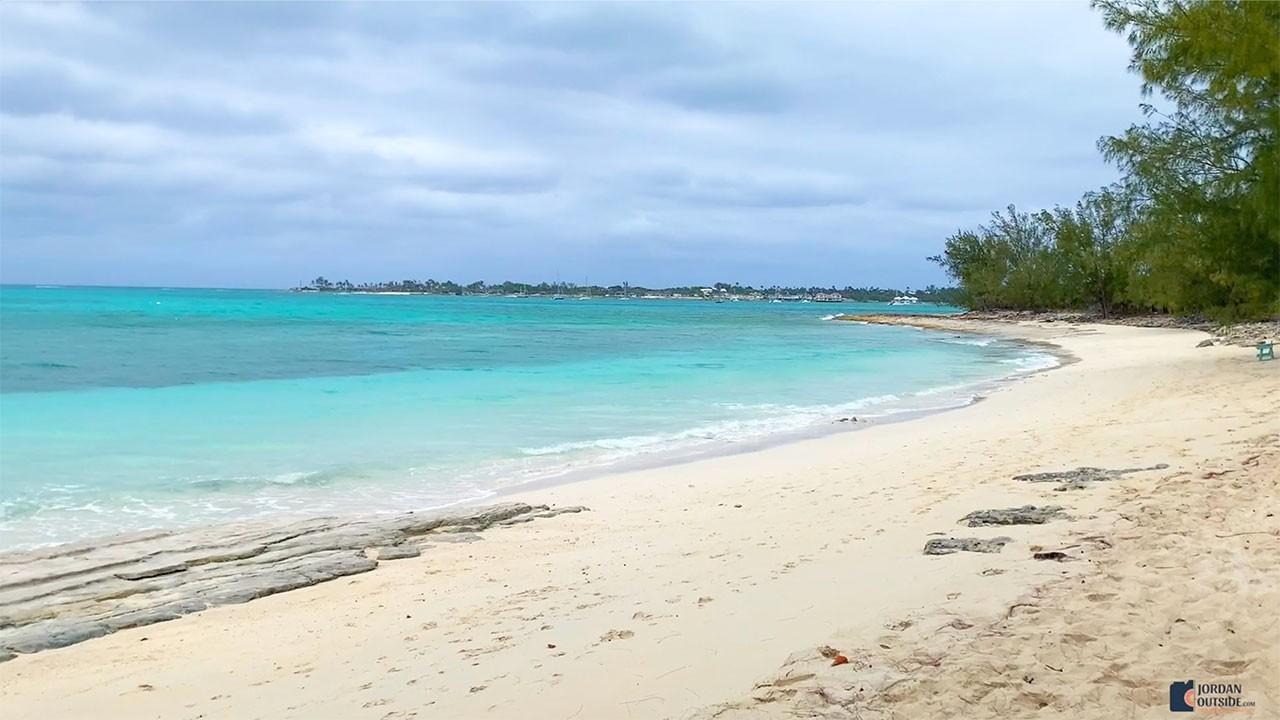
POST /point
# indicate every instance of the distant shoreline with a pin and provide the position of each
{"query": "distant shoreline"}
(548, 296)
(719, 292)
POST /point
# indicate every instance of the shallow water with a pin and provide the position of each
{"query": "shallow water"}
(123, 409)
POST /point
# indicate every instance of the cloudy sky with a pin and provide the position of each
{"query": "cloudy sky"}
(258, 145)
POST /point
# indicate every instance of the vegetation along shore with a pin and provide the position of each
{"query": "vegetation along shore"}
(1193, 225)
(715, 291)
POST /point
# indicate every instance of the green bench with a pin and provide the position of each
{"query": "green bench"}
(1266, 351)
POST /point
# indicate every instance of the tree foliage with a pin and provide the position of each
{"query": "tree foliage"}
(1194, 224)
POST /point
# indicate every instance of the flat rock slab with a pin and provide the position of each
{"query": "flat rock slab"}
(63, 595)
(1025, 515)
(946, 546)
(153, 571)
(396, 552)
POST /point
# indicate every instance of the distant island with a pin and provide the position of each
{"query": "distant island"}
(717, 291)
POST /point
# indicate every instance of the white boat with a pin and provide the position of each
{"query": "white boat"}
(905, 300)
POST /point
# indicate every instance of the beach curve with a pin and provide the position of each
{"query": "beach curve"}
(687, 586)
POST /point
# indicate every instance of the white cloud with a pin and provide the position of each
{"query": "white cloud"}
(549, 135)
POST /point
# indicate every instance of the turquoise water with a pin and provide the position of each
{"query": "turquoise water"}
(123, 409)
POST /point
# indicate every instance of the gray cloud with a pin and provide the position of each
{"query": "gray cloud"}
(259, 144)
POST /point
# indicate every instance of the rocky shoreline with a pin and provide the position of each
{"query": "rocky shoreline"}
(1245, 334)
(66, 594)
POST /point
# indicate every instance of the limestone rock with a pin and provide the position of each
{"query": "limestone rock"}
(396, 552)
(153, 571)
(1025, 515)
(1083, 474)
(946, 546)
(54, 597)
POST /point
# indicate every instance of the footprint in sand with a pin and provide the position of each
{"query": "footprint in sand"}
(616, 635)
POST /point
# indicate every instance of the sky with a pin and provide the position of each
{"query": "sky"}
(261, 145)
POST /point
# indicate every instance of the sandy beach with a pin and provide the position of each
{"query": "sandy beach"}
(790, 581)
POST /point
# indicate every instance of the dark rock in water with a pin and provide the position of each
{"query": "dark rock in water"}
(1205, 343)
(1084, 474)
(1025, 515)
(946, 546)
(60, 596)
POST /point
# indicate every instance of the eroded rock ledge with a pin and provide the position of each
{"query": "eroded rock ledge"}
(71, 593)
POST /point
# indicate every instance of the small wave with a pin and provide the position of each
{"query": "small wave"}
(315, 478)
(940, 389)
(783, 419)
(828, 317)
(1032, 363)
(627, 442)
(958, 401)
(748, 406)
(19, 507)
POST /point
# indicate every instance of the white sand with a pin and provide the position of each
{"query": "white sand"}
(668, 599)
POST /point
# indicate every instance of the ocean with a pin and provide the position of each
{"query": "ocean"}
(133, 408)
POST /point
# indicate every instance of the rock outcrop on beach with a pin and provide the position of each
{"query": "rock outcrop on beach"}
(63, 595)
(946, 546)
(1081, 476)
(1025, 515)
